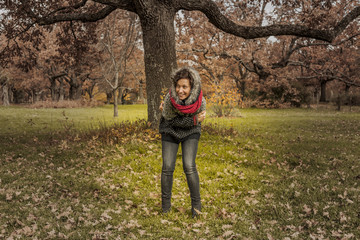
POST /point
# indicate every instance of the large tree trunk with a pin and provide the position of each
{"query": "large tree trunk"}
(157, 24)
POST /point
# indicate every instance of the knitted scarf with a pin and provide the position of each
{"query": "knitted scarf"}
(186, 109)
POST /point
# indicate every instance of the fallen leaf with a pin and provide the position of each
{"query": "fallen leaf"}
(228, 233)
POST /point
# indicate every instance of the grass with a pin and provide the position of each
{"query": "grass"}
(276, 174)
(14, 119)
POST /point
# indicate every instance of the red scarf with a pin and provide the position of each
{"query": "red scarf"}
(187, 108)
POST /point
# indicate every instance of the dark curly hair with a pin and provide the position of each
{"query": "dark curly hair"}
(183, 73)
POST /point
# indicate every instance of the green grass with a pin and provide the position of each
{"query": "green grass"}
(19, 120)
(283, 174)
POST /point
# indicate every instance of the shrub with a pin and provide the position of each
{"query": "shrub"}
(223, 101)
(276, 93)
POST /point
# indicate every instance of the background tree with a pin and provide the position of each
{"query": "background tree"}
(118, 40)
(277, 58)
(4, 87)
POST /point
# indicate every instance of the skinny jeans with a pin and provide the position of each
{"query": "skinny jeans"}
(169, 152)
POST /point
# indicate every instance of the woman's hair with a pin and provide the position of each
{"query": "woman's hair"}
(183, 73)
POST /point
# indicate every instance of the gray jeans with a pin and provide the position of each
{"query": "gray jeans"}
(169, 151)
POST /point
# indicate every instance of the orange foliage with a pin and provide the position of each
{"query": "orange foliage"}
(222, 99)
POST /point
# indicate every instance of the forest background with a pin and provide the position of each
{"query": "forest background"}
(104, 61)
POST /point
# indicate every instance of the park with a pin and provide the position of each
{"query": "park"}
(82, 91)
(270, 174)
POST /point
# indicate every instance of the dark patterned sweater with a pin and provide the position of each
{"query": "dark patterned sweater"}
(179, 127)
(175, 123)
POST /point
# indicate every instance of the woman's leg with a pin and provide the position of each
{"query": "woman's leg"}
(169, 152)
(189, 151)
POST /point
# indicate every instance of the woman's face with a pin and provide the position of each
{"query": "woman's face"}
(183, 88)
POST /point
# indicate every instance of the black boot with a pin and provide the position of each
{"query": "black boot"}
(166, 187)
(165, 205)
(196, 210)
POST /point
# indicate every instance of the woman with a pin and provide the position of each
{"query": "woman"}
(183, 110)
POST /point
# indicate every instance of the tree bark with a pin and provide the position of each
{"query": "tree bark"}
(323, 91)
(75, 87)
(120, 96)
(52, 79)
(243, 88)
(141, 93)
(90, 90)
(219, 20)
(6, 101)
(108, 97)
(338, 102)
(61, 91)
(116, 111)
(157, 24)
(53, 88)
(16, 95)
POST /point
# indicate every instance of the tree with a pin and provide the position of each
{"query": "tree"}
(90, 85)
(4, 86)
(268, 60)
(157, 22)
(118, 40)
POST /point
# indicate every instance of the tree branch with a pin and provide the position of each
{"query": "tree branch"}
(127, 5)
(75, 16)
(330, 78)
(292, 48)
(219, 20)
(76, 6)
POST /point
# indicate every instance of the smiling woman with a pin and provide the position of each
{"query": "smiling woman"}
(182, 113)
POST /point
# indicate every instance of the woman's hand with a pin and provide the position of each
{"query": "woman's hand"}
(161, 107)
(201, 116)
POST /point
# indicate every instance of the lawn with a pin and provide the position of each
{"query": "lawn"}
(269, 174)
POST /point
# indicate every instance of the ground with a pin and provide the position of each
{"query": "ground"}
(267, 174)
